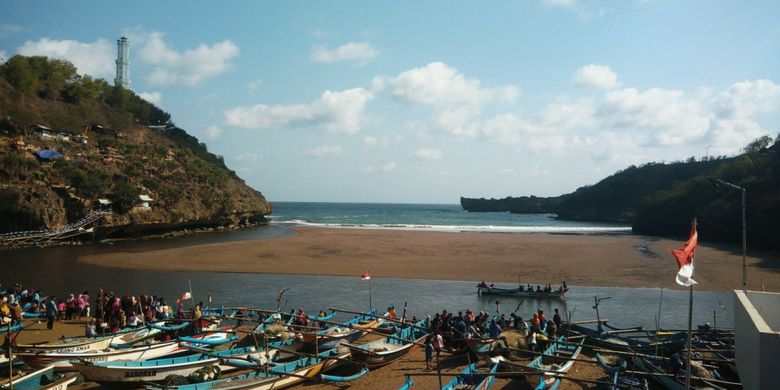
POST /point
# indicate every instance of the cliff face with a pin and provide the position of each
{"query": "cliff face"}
(109, 153)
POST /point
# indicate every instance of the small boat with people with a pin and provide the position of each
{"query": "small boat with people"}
(540, 292)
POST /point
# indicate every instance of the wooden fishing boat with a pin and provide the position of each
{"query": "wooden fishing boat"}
(15, 327)
(113, 373)
(612, 338)
(408, 383)
(209, 339)
(278, 377)
(170, 328)
(43, 379)
(481, 347)
(621, 381)
(615, 368)
(133, 337)
(384, 351)
(520, 292)
(345, 332)
(672, 382)
(61, 360)
(565, 353)
(71, 344)
(472, 379)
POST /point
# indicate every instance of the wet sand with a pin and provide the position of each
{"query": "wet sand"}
(591, 260)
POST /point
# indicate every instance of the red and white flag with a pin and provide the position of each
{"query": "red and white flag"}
(184, 297)
(684, 258)
(366, 276)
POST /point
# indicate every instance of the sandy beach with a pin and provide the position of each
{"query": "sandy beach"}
(591, 260)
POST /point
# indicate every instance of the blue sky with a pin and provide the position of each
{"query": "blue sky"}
(429, 101)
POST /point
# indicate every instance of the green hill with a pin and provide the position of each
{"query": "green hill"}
(115, 146)
(661, 199)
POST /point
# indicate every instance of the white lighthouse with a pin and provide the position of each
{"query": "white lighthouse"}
(122, 63)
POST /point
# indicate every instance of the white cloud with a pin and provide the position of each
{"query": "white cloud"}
(595, 76)
(561, 115)
(744, 99)
(254, 85)
(385, 140)
(248, 157)
(732, 122)
(440, 85)
(371, 140)
(337, 111)
(324, 150)
(3, 57)
(384, 168)
(428, 154)
(94, 58)
(213, 131)
(459, 121)
(152, 97)
(7, 29)
(189, 67)
(672, 118)
(560, 3)
(358, 52)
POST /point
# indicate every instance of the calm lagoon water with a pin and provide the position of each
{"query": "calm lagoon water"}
(56, 271)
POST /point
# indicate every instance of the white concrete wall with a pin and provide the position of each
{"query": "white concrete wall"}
(757, 343)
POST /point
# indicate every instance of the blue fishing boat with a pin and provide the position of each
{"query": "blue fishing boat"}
(278, 376)
(617, 376)
(170, 328)
(472, 379)
(115, 373)
(384, 351)
(344, 332)
(408, 383)
(43, 379)
(613, 338)
(15, 327)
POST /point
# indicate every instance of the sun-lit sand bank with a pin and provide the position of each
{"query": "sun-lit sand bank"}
(617, 261)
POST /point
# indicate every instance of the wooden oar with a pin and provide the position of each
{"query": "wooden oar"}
(589, 321)
(624, 353)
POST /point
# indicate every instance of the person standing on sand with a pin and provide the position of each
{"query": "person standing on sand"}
(428, 353)
(51, 312)
(438, 344)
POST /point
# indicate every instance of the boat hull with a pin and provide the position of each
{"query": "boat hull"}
(516, 292)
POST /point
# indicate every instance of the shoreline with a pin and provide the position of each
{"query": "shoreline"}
(607, 260)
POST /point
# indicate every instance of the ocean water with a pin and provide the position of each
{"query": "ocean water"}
(57, 270)
(435, 217)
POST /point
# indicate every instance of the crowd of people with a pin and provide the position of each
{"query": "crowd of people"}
(548, 288)
(108, 312)
(450, 330)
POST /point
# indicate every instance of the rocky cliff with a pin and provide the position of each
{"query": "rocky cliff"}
(112, 146)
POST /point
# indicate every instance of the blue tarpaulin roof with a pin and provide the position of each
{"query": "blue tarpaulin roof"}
(47, 154)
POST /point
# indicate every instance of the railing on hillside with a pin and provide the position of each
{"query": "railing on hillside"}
(84, 225)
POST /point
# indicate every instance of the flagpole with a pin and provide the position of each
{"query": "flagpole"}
(690, 332)
(370, 305)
